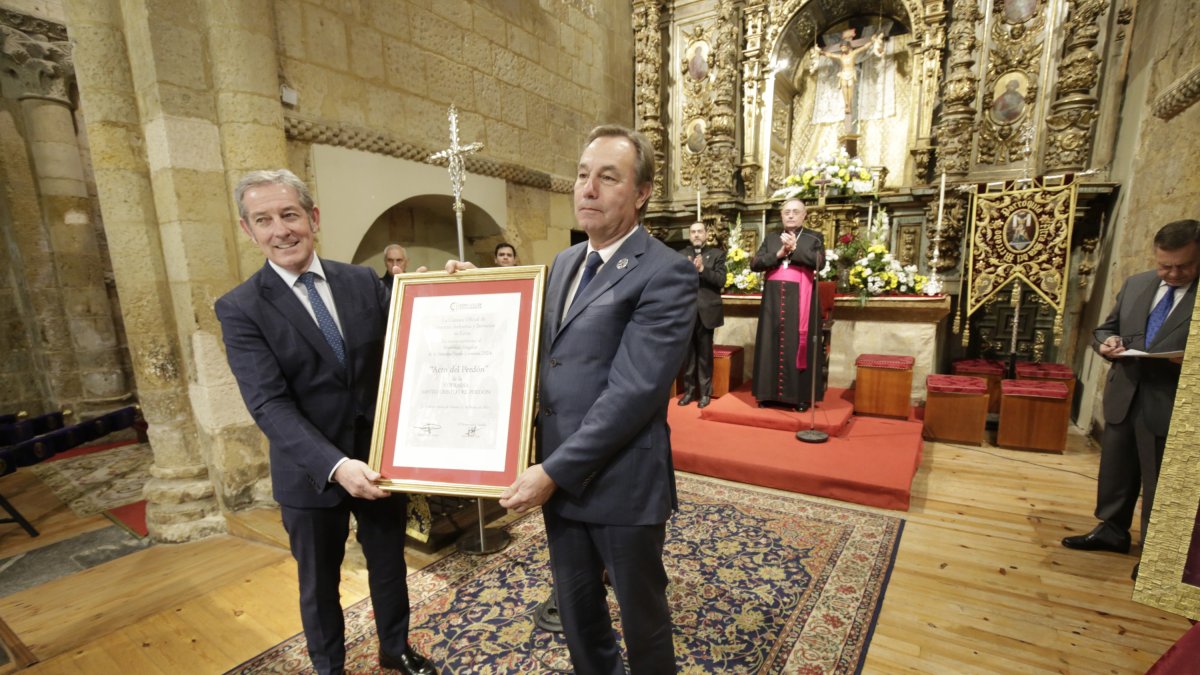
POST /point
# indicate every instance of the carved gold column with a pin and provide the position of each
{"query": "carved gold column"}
(957, 125)
(754, 74)
(647, 39)
(722, 151)
(929, 54)
(77, 337)
(140, 152)
(1073, 112)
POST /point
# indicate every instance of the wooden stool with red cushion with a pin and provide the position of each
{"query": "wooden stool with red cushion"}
(992, 371)
(955, 408)
(1027, 370)
(883, 385)
(728, 366)
(1033, 415)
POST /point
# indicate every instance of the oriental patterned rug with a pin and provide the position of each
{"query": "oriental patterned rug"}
(761, 582)
(94, 482)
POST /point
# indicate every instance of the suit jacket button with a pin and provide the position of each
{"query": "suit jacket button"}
(547, 412)
(554, 363)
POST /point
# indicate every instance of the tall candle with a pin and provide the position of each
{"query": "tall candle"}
(941, 203)
(762, 229)
(871, 215)
(698, 218)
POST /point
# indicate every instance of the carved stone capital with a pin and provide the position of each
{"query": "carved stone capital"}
(35, 59)
(1070, 139)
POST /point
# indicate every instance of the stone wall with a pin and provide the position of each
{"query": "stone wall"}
(529, 78)
(1154, 161)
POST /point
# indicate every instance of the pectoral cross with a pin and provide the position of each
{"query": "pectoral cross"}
(454, 156)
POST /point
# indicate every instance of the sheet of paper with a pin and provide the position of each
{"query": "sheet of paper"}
(458, 382)
(1150, 355)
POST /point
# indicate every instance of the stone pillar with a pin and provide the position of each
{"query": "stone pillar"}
(149, 164)
(76, 336)
(249, 120)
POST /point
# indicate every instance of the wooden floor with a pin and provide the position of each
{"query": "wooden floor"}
(981, 583)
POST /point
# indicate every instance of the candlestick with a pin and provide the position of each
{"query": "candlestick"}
(941, 201)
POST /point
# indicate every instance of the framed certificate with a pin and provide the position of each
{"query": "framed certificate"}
(456, 395)
(1169, 573)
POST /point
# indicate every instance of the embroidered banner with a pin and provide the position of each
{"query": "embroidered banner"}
(1021, 230)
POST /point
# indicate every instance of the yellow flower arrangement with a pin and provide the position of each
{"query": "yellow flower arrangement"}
(738, 277)
(841, 172)
(879, 273)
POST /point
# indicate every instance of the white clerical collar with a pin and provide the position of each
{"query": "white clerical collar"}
(608, 251)
(290, 278)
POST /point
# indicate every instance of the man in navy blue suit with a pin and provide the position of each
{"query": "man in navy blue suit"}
(304, 338)
(618, 316)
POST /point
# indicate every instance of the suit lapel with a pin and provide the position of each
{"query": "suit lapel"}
(624, 261)
(556, 292)
(343, 299)
(284, 300)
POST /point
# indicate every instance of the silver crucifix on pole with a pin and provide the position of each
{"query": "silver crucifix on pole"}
(458, 174)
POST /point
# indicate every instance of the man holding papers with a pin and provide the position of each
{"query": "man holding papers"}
(1152, 315)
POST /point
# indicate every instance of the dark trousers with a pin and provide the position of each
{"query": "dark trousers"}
(579, 553)
(1130, 457)
(697, 373)
(318, 541)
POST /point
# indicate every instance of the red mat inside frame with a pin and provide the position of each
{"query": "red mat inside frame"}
(871, 461)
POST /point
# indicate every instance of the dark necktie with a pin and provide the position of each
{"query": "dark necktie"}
(589, 271)
(1158, 315)
(324, 319)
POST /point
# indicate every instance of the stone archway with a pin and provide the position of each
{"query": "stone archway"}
(424, 225)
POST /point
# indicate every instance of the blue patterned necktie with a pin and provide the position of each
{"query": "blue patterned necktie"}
(1159, 314)
(324, 319)
(589, 271)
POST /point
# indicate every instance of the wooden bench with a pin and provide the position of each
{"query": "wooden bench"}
(883, 385)
(1027, 370)
(1033, 415)
(992, 371)
(956, 408)
(728, 365)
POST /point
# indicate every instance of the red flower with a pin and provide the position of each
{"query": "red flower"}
(846, 238)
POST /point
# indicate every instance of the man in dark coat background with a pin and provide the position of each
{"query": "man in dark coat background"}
(709, 262)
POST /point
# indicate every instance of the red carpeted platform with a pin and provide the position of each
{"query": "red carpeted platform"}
(871, 461)
(739, 407)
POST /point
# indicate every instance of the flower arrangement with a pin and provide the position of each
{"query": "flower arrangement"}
(841, 172)
(738, 277)
(878, 273)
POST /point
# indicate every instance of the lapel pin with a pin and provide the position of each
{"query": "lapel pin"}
(622, 263)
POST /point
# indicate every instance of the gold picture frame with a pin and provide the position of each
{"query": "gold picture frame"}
(456, 400)
(1172, 528)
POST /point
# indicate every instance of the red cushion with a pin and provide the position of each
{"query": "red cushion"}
(955, 384)
(890, 361)
(978, 367)
(720, 351)
(1046, 371)
(1034, 388)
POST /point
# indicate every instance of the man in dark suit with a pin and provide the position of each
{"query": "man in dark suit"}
(613, 336)
(304, 338)
(709, 262)
(1153, 312)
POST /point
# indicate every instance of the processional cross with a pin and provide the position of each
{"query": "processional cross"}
(458, 175)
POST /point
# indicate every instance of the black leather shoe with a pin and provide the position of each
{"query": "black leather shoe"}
(1133, 575)
(704, 401)
(803, 406)
(687, 398)
(1098, 540)
(546, 615)
(410, 663)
